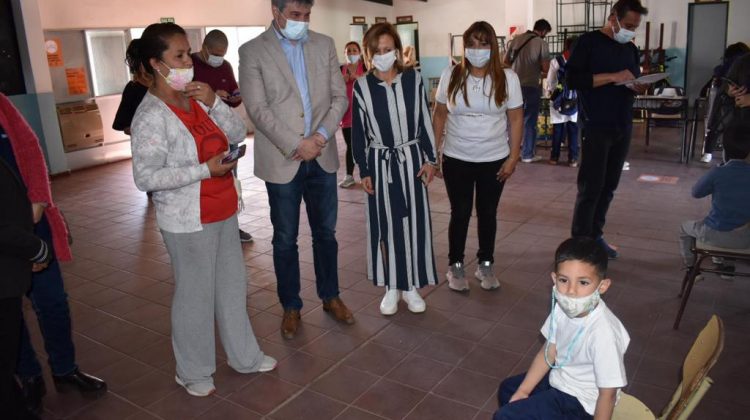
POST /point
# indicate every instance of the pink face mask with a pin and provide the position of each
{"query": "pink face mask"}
(177, 79)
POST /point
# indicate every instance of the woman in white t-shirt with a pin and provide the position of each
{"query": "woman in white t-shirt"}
(479, 121)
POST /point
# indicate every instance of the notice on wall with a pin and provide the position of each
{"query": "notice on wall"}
(76, 78)
(54, 52)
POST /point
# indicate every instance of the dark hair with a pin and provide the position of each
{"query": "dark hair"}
(481, 31)
(542, 25)
(622, 7)
(570, 43)
(152, 44)
(735, 50)
(353, 43)
(736, 139)
(216, 38)
(281, 4)
(583, 249)
(370, 43)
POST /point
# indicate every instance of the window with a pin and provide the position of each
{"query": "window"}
(106, 54)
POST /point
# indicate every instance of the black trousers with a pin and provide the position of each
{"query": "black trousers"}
(603, 151)
(461, 179)
(349, 156)
(11, 400)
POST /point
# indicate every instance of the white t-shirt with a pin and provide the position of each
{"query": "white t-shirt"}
(555, 115)
(597, 359)
(478, 132)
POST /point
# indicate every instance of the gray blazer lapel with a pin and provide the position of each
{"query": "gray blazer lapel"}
(273, 46)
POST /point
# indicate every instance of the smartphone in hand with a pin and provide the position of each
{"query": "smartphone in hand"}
(234, 155)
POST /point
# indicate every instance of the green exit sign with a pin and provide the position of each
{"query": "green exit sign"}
(167, 20)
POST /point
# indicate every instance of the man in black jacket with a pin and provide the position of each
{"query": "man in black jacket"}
(600, 60)
(21, 253)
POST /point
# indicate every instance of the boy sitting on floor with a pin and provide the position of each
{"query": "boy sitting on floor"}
(728, 223)
(585, 346)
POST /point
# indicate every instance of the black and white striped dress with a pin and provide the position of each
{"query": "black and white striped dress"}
(391, 139)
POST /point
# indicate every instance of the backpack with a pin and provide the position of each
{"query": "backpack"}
(564, 100)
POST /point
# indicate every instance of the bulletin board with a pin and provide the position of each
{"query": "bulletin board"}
(69, 65)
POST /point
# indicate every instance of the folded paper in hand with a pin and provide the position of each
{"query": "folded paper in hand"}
(645, 80)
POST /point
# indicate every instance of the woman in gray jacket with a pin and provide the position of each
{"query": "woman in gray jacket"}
(180, 134)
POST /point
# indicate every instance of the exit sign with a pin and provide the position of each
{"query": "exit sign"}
(166, 20)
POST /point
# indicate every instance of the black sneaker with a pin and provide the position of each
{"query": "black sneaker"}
(612, 253)
(245, 237)
(89, 386)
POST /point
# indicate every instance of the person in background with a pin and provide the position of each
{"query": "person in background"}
(353, 68)
(133, 93)
(731, 54)
(394, 148)
(181, 133)
(20, 149)
(294, 93)
(727, 225)
(529, 56)
(22, 252)
(564, 121)
(600, 60)
(211, 68)
(481, 105)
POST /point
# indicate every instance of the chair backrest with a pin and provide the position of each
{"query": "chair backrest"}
(699, 361)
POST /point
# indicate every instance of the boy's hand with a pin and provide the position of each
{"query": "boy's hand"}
(519, 395)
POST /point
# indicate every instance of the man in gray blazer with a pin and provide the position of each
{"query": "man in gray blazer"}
(294, 93)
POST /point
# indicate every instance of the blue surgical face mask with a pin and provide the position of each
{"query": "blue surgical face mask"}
(623, 36)
(215, 60)
(294, 30)
(477, 57)
(351, 59)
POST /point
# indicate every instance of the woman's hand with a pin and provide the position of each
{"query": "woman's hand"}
(735, 91)
(200, 92)
(742, 101)
(507, 169)
(217, 168)
(367, 185)
(427, 173)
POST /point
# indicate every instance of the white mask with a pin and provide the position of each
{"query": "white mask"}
(215, 60)
(384, 62)
(351, 59)
(295, 30)
(574, 307)
(477, 57)
(623, 36)
(178, 78)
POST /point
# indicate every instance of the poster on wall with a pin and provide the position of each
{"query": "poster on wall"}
(54, 52)
(76, 78)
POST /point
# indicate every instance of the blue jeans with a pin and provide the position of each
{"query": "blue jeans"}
(558, 134)
(318, 188)
(50, 302)
(544, 403)
(531, 103)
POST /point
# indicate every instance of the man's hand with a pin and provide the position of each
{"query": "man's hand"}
(742, 101)
(310, 147)
(519, 395)
(367, 185)
(223, 94)
(37, 210)
(35, 268)
(621, 76)
(638, 88)
(735, 91)
(217, 168)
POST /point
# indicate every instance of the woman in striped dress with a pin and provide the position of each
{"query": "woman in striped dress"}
(394, 147)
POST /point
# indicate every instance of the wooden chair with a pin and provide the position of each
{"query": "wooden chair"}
(702, 252)
(695, 381)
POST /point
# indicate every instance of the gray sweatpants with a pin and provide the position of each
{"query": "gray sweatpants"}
(695, 229)
(210, 285)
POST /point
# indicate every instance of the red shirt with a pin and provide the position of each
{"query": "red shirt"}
(218, 196)
(219, 78)
(346, 122)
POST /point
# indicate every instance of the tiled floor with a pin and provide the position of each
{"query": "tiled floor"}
(444, 364)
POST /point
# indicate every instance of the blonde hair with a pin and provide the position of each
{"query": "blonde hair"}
(370, 44)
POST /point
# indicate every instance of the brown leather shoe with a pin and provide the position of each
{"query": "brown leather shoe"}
(339, 311)
(290, 323)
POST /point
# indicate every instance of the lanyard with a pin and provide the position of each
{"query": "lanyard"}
(552, 332)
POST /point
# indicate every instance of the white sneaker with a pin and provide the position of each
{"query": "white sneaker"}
(707, 157)
(485, 275)
(626, 166)
(347, 182)
(268, 364)
(414, 301)
(201, 389)
(389, 304)
(532, 160)
(456, 279)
